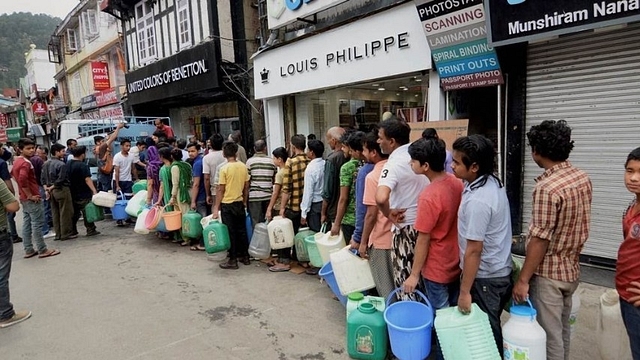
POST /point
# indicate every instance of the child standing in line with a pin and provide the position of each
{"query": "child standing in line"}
(627, 269)
(231, 200)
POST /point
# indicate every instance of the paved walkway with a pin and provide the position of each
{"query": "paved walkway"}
(124, 296)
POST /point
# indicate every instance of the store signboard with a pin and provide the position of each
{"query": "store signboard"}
(4, 122)
(22, 117)
(383, 45)
(283, 12)
(100, 75)
(113, 112)
(457, 34)
(14, 134)
(107, 97)
(3, 136)
(39, 108)
(525, 20)
(88, 102)
(186, 72)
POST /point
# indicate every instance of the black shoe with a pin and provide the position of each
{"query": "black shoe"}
(93, 233)
(119, 223)
(229, 265)
(16, 239)
(312, 271)
(246, 260)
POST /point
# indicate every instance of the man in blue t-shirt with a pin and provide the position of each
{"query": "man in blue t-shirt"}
(198, 194)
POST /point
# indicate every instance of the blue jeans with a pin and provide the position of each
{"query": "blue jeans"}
(441, 296)
(6, 253)
(47, 212)
(11, 220)
(32, 225)
(631, 319)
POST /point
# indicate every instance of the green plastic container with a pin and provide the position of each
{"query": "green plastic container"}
(301, 246)
(465, 336)
(216, 237)
(139, 185)
(191, 226)
(367, 337)
(312, 250)
(93, 212)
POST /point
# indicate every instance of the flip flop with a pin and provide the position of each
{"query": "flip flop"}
(304, 265)
(197, 248)
(185, 243)
(49, 253)
(276, 268)
(30, 255)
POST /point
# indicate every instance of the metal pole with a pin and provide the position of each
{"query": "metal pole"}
(446, 105)
(506, 123)
(499, 128)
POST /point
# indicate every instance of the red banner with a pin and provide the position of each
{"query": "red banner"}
(3, 136)
(107, 97)
(39, 108)
(3, 120)
(100, 73)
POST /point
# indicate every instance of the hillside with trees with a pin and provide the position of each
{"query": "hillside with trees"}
(17, 32)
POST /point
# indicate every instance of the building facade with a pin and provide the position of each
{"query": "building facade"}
(87, 48)
(582, 66)
(187, 59)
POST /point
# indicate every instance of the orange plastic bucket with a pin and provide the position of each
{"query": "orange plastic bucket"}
(172, 220)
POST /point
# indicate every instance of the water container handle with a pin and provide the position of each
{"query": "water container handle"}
(514, 303)
(323, 228)
(394, 292)
(122, 194)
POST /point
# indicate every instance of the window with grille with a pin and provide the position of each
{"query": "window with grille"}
(184, 24)
(145, 29)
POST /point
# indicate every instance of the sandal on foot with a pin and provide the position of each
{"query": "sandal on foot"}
(280, 268)
(304, 265)
(30, 255)
(197, 248)
(185, 243)
(49, 253)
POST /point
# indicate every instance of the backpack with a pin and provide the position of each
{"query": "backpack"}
(107, 166)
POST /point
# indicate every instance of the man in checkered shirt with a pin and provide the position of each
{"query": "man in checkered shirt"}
(292, 187)
(558, 230)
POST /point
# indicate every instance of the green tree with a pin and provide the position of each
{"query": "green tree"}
(17, 32)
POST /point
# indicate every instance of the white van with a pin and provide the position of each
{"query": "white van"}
(68, 129)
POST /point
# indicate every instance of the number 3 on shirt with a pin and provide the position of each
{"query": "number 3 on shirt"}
(385, 172)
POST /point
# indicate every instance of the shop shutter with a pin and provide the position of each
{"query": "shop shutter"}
(592, 80)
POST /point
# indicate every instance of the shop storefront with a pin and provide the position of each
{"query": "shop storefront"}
(186, 88)
(590, 79)
(348, 76)
(103, 104)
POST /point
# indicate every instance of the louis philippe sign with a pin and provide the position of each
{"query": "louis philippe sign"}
(513, 21)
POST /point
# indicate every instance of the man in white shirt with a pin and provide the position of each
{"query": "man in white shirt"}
(397, 195)
(209, 165)
(123, 170)
(311, 206)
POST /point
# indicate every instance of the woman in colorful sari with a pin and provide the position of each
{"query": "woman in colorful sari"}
(175, 184)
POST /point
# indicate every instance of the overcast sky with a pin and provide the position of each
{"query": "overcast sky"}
(59, 8)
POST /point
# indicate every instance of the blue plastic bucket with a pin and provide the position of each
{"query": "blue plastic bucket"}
(161, 226)
(118, 210)
(409, 324)
(326, 272)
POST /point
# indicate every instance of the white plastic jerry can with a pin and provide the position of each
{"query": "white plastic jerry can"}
(523, 337)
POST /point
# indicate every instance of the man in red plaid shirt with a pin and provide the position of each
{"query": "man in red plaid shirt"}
(558, 230)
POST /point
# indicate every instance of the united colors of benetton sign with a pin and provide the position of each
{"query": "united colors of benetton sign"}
(513, 21)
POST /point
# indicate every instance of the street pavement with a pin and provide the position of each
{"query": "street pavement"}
(126, 296)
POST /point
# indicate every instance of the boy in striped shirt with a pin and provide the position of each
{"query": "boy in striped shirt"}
(262, 171)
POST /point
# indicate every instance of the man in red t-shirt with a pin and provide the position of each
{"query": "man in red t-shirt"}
(33, 211)
(166, 129)
(437, 259)
(627, 269)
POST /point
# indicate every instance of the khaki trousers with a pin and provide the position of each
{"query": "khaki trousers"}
(552, 300)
